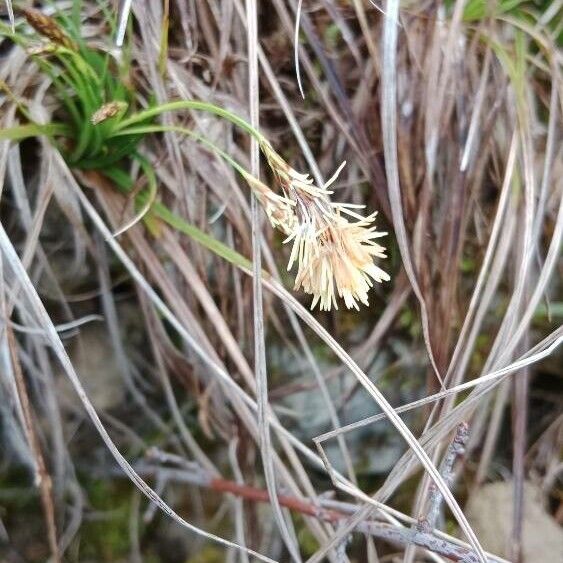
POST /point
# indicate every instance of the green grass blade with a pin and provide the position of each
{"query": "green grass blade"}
(21, 132)
(207, 107)
(212, 244)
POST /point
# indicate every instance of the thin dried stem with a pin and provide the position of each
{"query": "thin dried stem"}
(42, 477)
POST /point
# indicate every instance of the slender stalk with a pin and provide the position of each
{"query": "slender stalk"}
(147, 129)
(186, 105)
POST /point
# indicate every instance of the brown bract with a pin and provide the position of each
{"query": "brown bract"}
(107, 111)
(49, 28)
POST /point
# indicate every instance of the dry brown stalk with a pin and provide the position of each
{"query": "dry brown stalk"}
(42, 477)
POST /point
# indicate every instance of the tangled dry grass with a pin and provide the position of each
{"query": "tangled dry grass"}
(245, 417)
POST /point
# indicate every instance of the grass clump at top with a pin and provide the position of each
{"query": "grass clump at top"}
(98, 127)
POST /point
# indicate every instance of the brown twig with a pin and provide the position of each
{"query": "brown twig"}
(335, 512)
(455, 450)
(42, 477)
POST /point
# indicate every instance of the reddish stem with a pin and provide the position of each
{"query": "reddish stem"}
(260, 495)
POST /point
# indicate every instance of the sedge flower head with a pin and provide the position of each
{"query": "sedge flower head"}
(333, 246)
(48, 28)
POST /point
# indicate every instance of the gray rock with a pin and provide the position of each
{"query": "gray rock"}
(489, 511)
(94, 360)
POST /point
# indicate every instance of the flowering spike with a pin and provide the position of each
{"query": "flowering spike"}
(107, 111)
(49, 28)
(334, 256)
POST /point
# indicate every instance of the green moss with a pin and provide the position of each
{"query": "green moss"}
(307, 542)
(209, 554)
(409, 321)
(332, 36)
(104, 535)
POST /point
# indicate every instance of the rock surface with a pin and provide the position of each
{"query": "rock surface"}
(94, 360)
(489, 511)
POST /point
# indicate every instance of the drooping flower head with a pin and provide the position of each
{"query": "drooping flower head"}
(334, 255)
(279, 209)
